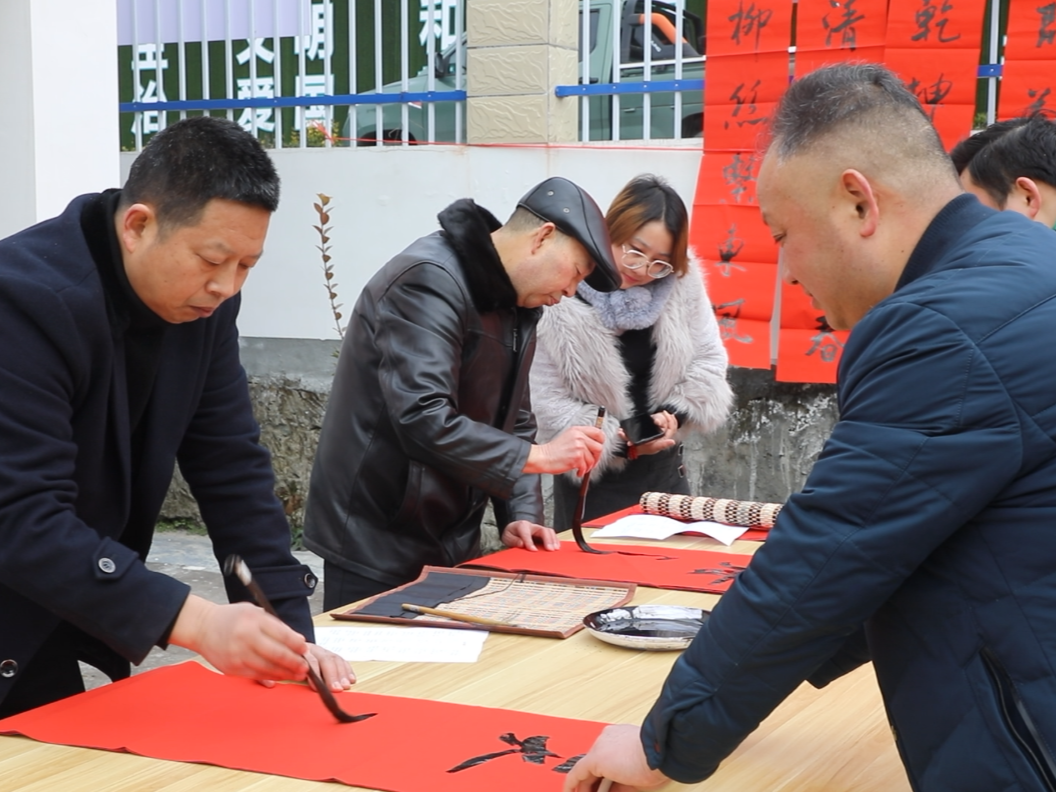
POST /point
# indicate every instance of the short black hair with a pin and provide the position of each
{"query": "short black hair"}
(965, 151)
(864, 95)
(196, 160)
(1027, 149)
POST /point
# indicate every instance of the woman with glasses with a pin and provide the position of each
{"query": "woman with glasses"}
(650, 353)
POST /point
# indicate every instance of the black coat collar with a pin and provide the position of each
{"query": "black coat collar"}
(468, 227)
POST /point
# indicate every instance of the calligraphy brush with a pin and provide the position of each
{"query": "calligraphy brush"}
(234, 565)
(581, 502)
(463, 617)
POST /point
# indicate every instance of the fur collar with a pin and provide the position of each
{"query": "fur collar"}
(467, 228)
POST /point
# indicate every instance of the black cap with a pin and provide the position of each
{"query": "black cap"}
(568, 207)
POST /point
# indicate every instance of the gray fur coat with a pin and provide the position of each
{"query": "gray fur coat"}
(578, 367)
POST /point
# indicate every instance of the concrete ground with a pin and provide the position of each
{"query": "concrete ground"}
(189, 557)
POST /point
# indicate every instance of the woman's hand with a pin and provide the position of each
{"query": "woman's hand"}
(668, 424)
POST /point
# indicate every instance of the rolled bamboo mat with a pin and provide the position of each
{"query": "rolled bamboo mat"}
(752, 514)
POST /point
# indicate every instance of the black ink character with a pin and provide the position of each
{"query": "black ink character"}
(730, 248)
(844, 25)
(738, 174)
(739, 103)
(531, 749)
(932, 95)
(727, 315)
(826, 345)
(1039, 98)
(725, 573)
(746, 20)
(1048, 18)
(925, 15)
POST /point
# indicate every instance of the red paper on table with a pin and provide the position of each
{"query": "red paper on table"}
(836, 31)
(655, 566)
(934, 46)
(751, 535)
(187, 713)
(809, 350)
(1030, 52)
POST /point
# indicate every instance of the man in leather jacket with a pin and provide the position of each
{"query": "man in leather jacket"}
(430, 414)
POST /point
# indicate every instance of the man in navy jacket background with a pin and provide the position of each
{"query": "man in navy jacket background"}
(925, 536)
(118, 358)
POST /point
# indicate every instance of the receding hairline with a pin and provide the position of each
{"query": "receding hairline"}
(890, 144)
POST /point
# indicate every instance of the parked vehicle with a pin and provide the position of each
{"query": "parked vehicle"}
(601, 109)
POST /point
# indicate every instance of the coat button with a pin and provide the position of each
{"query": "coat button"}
(8, 669)
(310, 580)
(107, 565)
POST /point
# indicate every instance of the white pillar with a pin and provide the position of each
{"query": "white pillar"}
(58, 105)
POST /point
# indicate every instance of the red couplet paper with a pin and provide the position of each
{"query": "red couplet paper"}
(835, 31)
(742, 92)
(809, 350)
(751, 535)
(1030, 60)
(658, 567)
(934, 46)
(187, 713)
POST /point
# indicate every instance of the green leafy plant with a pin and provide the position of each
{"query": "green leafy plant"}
(322, 209)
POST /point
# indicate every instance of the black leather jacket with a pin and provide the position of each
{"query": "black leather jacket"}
(429, 413)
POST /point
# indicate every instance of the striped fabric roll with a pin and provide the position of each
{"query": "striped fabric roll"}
(724, 510)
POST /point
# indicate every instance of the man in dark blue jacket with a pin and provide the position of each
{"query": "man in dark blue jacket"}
(925, 535)
(118, 358)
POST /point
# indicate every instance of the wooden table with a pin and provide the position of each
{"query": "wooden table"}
(836, 739)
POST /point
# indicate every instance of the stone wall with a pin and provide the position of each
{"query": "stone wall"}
(764, 452)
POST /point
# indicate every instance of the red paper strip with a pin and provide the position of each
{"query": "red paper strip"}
(1031, 30)
(809, 350)
(935, 25)
(747, 340)
(1026, 88)
(1026, 82)
(656, 566)
(934, 46)
(187, 713)
(742, 26)
(742, 93)
(834, 31)
(742, 291)
(728, 178)
(809, 355)
(751, 535)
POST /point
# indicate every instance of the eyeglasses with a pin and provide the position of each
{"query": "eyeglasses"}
(635, 259)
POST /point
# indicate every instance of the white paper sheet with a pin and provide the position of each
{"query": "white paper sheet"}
(403, 644)
(656, 526)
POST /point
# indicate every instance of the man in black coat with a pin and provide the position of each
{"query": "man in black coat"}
(118, 358)
(430, 414)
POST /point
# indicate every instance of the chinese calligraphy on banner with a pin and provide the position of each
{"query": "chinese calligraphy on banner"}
(748, 66)
(827, 31)
(1030, 59)
(933, 45)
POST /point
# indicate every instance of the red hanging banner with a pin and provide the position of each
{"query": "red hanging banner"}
(748, 71)
(1030, 60)
(809, 350)
(834, 31)
(934, 46)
